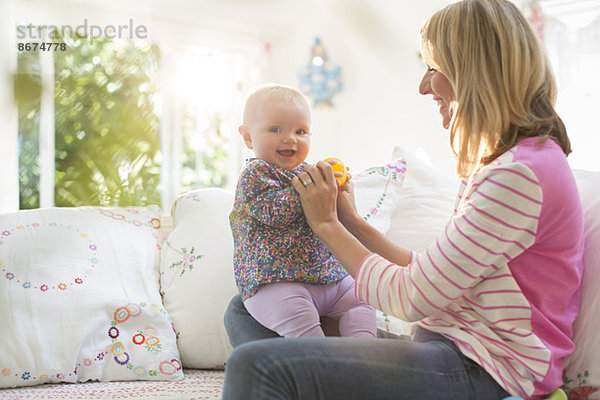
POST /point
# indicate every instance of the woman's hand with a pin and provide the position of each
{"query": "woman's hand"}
(318, 191)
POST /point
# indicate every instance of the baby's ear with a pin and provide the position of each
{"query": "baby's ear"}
(243, 130)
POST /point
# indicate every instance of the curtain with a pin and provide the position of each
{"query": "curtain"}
(570, 31)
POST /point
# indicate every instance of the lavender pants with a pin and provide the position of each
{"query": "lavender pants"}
(293, 309)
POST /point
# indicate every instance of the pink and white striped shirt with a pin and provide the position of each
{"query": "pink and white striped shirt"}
(502, 280)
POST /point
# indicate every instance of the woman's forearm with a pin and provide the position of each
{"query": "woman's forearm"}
(346, 248)
(376, 242)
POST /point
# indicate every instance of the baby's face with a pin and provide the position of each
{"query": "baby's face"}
(279, 133)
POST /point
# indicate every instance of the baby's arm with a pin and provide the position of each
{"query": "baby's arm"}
(268, 196)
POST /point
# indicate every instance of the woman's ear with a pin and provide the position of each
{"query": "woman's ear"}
(243, 130)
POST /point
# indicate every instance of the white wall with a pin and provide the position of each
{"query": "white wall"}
(377, 45)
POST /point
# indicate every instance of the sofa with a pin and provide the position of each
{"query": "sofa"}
(115, 303)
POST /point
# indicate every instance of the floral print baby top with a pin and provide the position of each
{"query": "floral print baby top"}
(272, 240)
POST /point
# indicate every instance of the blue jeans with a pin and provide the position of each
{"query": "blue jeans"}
(428, 367)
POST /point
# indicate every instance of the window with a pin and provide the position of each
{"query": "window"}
(125, 122)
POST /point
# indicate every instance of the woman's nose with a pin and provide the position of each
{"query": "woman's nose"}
(425, 85)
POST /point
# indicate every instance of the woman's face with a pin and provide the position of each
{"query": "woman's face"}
(436, 84)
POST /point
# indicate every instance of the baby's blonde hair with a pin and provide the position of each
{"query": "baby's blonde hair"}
(273, 91)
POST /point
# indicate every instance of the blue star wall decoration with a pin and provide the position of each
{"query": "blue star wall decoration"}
(320, 79)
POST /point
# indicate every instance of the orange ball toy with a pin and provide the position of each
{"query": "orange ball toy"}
(338, 166)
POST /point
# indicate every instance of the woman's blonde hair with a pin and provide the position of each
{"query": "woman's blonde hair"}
(505, 89)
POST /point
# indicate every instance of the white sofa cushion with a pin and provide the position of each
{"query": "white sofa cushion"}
(79, 297)
(196, 275)
(582, 368)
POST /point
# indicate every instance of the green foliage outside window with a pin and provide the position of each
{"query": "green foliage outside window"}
(107, 127)
(107, 137)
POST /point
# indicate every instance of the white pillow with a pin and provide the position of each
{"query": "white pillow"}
(196, 274)
(79, 297)
(582, 368)
(422, 207)
(376, 191)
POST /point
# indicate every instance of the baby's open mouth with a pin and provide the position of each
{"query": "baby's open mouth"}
(286, 153)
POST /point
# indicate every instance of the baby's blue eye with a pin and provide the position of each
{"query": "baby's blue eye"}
(300, 132)
(275, 129)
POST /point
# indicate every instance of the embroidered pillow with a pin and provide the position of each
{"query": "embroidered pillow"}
(425, 203)
(376, 191)
(79, 297)
(423, 207)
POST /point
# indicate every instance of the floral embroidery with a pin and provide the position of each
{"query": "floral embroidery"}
(167, 368)
(155, 223)
(153, 344)
(187, 262)
(134, 309)
(394, 171)
(117, 349)
(113, 332)
(45, 286)
(176, 363)
(373, 211)
(188, 258)
(138, 339)
(122, 314)
(581, 391)
(122, 362)
(147, 337)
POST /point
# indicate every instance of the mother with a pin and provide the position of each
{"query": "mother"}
(495, 296)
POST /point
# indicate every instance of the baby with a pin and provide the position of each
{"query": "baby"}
(287, 278)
